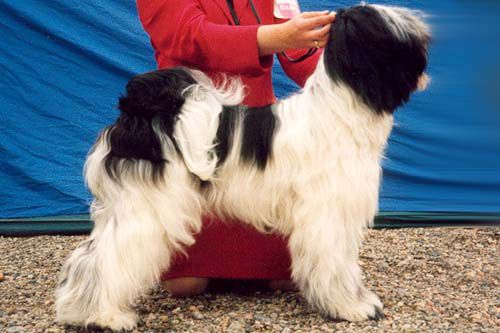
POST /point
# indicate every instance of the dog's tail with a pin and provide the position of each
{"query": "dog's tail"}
(166, 116)
(197, 124)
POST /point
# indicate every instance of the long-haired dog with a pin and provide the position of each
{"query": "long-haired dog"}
(308, 167)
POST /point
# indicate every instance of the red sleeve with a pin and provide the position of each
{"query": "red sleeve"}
(180, 31)
(300, 71)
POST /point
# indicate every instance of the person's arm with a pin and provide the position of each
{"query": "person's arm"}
(181, 31)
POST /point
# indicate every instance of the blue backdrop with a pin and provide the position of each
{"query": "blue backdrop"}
(64, 63)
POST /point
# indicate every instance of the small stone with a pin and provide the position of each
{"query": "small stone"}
(257, 324)
(176, 310)
(277, 328)
(193, 308)
(163, 318)
(287, 330)
(236, 327)
(197, 315)
(476, 317)
(53, 330)
(15, 329)
(421, 304)
(248, 316)
(263, 319)
(2, 277)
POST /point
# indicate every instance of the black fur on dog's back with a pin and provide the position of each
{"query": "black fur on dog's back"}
(259, 125)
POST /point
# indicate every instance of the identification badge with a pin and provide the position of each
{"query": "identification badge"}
(286, 9)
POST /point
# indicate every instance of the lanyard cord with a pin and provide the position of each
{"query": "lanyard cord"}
(236, 20)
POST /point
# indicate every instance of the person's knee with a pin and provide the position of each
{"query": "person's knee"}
(184, 287)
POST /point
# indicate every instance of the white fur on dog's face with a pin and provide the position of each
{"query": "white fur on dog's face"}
(308, 167)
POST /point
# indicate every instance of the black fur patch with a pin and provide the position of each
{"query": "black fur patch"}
(225, 133)
(258, 133)
(154, 96)
(364, 54)
(259, 125)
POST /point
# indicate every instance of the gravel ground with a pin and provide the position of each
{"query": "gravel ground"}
(430, 280)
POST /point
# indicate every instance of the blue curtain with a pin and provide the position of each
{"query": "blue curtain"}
(64, 63)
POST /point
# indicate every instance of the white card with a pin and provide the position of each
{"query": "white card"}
(286, 9)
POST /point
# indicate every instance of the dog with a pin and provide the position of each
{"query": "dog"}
(307, 167)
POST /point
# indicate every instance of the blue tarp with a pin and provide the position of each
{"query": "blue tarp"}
(64, 63)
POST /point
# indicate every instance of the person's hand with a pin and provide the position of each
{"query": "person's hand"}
(306, 30)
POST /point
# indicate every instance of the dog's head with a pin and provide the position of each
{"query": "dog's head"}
(380, 53)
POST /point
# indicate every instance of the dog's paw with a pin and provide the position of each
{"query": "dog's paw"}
(368, 306)
(116, 321)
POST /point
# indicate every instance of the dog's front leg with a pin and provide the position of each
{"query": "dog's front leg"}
(324, 266)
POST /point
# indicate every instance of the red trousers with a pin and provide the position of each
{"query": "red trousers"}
(232, 250)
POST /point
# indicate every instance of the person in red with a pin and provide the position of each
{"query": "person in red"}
(235, 37)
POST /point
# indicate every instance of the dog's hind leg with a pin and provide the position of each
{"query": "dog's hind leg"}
(324, 265)
(139, 224)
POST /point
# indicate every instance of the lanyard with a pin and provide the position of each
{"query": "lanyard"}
(236, 20)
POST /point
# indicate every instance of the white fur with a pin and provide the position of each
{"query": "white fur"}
(197, 124)
(404, 21)
(320, 189)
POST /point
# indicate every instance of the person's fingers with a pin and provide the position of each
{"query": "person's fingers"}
(320, 33)
(313, 14)
(318, 21)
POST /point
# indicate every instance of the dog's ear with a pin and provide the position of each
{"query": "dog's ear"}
(379, 52)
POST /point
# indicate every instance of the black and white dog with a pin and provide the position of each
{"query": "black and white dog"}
(307, 167)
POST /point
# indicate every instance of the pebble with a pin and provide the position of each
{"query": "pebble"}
(53, 330)
(197, 315)
(2, 277)
(236, 327)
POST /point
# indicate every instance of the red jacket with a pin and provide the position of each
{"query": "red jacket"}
(200, 34)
